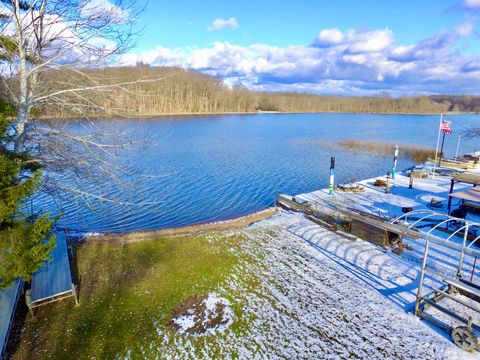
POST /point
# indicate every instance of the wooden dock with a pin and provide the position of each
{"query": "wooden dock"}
(366, 226)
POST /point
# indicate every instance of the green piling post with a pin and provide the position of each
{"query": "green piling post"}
(332, 175)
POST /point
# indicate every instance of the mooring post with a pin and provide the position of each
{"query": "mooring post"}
(395, 160)
(410, 184)
(332, 175)
(387, 187)
(449, 206)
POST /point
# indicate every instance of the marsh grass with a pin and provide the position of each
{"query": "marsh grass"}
(416, 153)
(127, 293)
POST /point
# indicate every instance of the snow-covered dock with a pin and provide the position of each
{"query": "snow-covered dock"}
(377, 202)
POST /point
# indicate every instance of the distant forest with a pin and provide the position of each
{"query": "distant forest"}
(167, 90)
(459, 103)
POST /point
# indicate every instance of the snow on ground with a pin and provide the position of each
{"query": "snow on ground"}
(210, 315)
(359, 290)
(305, 293)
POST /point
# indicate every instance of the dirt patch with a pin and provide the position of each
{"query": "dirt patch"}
(200, 315)
(131, 237)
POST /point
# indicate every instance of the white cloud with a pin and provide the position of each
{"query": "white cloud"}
(329, 37)
(65, 40)
(359, 59)
(369, 41)
(351, 62)
(355, 41)
(220, 24)
(466, 28)
(471, 4)
(104, 7)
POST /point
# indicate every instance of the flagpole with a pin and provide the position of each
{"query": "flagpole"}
(441, 149)
(436, 148)
(458, 146)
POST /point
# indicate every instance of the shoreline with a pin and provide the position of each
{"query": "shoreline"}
(181, 231)
(186, 114)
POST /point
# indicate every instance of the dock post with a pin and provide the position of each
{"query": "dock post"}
(387, 187)
(332, 175)
(410, 184)
(395, 161)
(449, 206)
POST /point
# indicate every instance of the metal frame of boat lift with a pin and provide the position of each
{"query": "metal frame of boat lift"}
(463, 336)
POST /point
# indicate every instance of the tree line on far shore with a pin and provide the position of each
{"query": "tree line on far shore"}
(459, 103)
(168, 90)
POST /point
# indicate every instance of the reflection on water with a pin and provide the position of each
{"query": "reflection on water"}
(207, 168)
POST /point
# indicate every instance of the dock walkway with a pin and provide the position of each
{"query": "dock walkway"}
(8, 304)
(53, 281)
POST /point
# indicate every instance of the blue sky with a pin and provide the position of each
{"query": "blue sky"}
(281, 22)
(357, 47)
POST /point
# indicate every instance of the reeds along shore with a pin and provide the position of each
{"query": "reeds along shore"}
(166, 90)
(416, 153)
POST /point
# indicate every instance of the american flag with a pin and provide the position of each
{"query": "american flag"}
(445, 127)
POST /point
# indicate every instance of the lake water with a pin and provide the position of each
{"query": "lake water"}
(205, 168)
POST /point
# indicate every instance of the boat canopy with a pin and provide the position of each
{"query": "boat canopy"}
(472, 194)
(467, 177)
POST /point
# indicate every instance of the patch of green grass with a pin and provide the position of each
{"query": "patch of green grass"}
(126, 293)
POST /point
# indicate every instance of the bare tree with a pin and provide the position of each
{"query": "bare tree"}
(47, 51)
(472, 132)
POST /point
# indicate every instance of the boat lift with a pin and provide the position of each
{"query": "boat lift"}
(463, 336)
(413, 225)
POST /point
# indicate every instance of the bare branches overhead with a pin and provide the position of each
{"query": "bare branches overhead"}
(47, 48)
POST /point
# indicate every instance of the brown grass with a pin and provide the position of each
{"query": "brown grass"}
(416, 153)
(193, 230)
(194, 305)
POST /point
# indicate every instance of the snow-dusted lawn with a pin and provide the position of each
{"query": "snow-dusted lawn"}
(296, 291)
(322, 296)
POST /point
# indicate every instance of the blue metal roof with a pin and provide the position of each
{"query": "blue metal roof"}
(53, 278)
(8, 303)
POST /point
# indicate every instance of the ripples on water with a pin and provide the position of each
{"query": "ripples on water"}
(207, 168)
